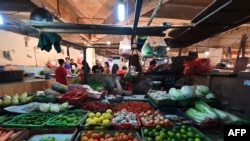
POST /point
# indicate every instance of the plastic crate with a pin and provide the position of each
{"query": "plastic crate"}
(176, 116)
(163, 103)
(68, 121)
(153, 124)
(35, 134)
(34, 119)
(110, 132)
(171, 133)
(78, 100)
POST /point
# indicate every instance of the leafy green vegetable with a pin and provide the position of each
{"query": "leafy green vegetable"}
(196, 115)
(205, 108)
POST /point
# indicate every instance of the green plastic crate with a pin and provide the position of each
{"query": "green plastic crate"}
(171, 133)
(66, 119)
(34, 119)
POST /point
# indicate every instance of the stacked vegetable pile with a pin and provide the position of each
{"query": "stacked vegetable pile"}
(176, 133)
(202, 113)
(108, 135)
(96, 105)
(14, 100)
(194, 91)
(153, 118)
(49, 107)
(97, 120)
(125, 120)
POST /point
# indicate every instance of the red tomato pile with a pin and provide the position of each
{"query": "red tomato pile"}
(101, 136)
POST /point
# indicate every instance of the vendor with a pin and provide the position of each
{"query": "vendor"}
(122, 87)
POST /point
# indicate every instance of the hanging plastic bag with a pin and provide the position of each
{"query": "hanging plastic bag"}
(147, 50)
(159, 47)
(125, 47)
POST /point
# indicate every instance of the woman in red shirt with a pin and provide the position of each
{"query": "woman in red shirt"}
(61, 73)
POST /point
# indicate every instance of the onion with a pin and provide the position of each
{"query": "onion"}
(151, 121)
(161, 122)
(166, 120)
(149, 112)
(156, 121)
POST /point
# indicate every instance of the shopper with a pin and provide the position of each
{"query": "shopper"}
(152, 65)
(73, 66)
(106, 68)
(61, 72)
(87, 67)
(67, 65)
(98, 68)
(115, 68)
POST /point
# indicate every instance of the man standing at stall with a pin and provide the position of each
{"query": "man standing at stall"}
(61, 73)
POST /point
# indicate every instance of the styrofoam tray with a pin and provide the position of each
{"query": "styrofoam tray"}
(134, 97)
(58, 137)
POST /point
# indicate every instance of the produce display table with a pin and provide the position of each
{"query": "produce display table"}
(74, 131)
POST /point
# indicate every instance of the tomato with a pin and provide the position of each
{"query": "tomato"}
(125, 137)
(89, 133)
(130, 136)
(95, 136)
(107, 136)
(135, 139)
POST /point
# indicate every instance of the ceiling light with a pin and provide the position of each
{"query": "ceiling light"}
(1, 20)
(121, 12)
(108, 43)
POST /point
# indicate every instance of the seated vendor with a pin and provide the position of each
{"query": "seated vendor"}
(122, 87)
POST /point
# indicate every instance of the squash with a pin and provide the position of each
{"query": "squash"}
(59, 87)
(52, 92)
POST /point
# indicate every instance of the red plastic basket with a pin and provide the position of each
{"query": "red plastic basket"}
(78, 96)
(127, 126)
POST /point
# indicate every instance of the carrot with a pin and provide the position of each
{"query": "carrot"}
(4, 135)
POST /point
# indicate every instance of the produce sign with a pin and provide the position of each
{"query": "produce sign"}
(96, 105)
(134, 106)
(108, 135)
(10, 134)
(184, 132)
(68, 119)
(29, 120)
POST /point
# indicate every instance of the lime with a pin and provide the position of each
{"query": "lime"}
(149, 139)
(190, 139)
(197, 139)
(190, 134)
(163, 135)
(190, 129)
(183, 131)
(158, 138)
(184, 127)
(151, 134)
(146, 132)
(170, 133)
(178, 135)
(156, 133)
(158, 127)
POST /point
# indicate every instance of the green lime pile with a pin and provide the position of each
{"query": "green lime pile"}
(178, 133)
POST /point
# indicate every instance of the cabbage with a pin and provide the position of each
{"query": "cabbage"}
(45, 107)
(203, 89)
(64, 106)
(175, 94)
(187, 91)
(196, 115)
(199, 94)
(54, 108)
(210, 96)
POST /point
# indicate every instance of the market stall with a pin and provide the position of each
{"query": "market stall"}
(91, 112)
